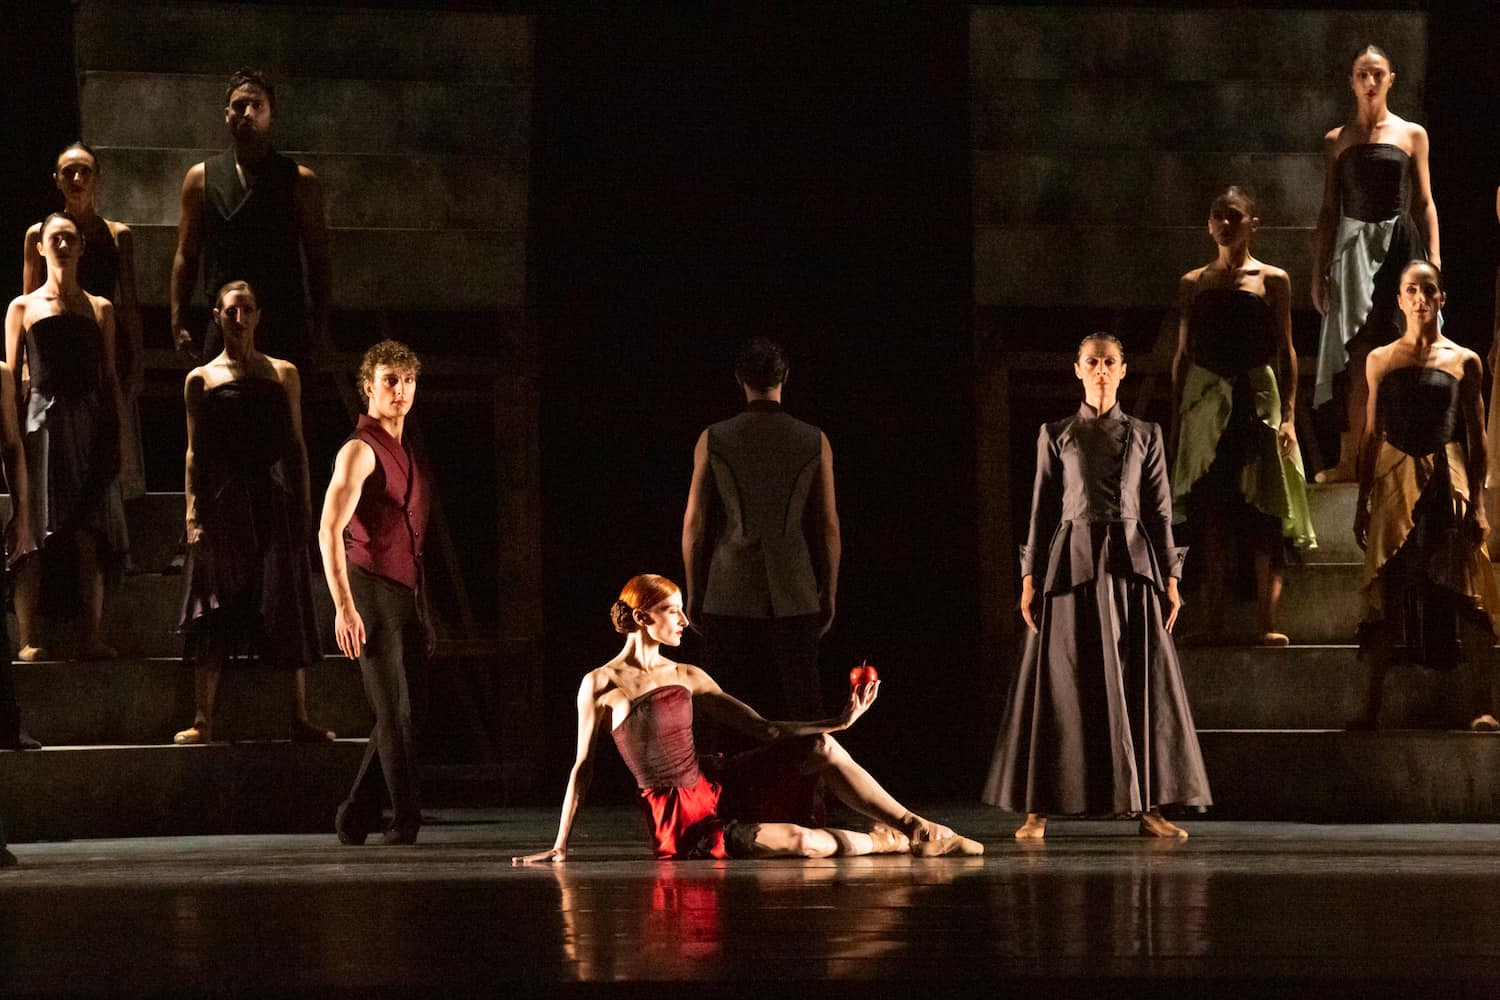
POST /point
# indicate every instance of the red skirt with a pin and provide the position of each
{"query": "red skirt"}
(770, 784)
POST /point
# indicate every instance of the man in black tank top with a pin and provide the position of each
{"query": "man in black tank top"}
(760, 545)
(254, 215)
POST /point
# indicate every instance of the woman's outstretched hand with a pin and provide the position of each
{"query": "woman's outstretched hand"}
(860, 700)
(551, 854)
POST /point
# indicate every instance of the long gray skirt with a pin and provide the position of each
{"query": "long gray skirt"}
(1098, 722)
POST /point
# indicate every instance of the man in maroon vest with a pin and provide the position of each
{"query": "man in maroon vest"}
(373, 527)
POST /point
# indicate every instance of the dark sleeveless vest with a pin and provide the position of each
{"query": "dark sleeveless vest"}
(251, 234)
(389, 526)
(764, 464)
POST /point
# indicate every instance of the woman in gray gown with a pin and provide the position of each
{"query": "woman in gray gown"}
(1098, 722)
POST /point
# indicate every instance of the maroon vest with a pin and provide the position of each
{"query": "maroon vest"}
(389, 525)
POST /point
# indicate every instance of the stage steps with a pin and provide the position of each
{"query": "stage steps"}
(1270, 719)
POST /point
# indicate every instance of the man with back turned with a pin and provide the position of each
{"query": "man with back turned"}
(767, 592)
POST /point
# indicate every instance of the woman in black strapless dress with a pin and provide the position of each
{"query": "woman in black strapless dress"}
(1429, 589)
(106, 269)
(1377, 214)
(72, 425)
(247, 588)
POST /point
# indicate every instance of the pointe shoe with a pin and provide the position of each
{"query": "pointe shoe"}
(951, 845)
(193, 736)
(889, 840)
(1485, 723)
(33, 654)
(303, 731)
(1159, 826)
(1032, 829)
(349, 825)
(7, 859)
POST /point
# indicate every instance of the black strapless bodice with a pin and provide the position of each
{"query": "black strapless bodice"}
(1230, 331)
(1374, 181)
(99, 267)
(1419, 409)
(64, 352)
(244, 426)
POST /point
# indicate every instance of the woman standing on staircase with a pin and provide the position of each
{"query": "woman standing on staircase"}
(247, 582)
(1238, 471)
(1421, 520)
(1098, 721)
(1377, 214)
(72, 406)
(106, 269)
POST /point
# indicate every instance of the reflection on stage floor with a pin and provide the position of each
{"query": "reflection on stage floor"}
(1239, 909)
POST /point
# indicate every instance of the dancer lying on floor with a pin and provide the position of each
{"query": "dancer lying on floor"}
(764, 803)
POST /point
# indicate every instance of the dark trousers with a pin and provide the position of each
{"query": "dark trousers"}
(770, 664)
(393, 665)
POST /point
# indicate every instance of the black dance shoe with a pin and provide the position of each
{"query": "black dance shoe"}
(351, 825)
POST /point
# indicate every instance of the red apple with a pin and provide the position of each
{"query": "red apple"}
(862, 674)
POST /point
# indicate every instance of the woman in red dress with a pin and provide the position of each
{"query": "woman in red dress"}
(765, 803)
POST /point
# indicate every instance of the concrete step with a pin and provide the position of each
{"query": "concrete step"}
(1311, 687)
(385, 268)
(61, 793)
(1339, 777)
(432, 192)
(302, 40)
(1037, 266)
(1078, 187)
(155, 521)
(392, 117)
(1332, 510)
(145, 701)
(1148, 115)
(1272, 46)
(1320, 605)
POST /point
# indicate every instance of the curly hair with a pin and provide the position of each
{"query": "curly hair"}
(391, 353)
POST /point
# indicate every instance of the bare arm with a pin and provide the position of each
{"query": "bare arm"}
(355, 462)
(1328, 220)
(1471, 399)
(1423, 208)
(291, 382)
(581, 774)
(192, 401)
(1183, 357)
(695, 529)
(18, 539)
(1368, 442)
(128, 315)
(830, 544)
(185, 261)
(727, 710)
(15, 358)
(33, 268)
(1279, 298)
(312, 227)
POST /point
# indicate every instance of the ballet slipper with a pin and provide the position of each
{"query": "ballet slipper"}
(1035, 828)
(1270, 638)
(952, 845)
(194, 736)
(32, 654)
(303, 731)
(1485, 723)
(888, 840)
(1154, 824)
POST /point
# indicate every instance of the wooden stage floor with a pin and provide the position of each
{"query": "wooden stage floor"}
(1241, 909)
